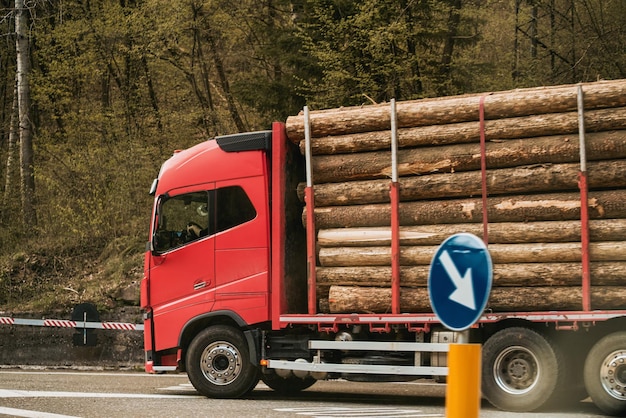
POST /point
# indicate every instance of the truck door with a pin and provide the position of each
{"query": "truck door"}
(182, 270)
(242, 248)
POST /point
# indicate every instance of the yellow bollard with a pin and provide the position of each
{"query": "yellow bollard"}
(463, 389)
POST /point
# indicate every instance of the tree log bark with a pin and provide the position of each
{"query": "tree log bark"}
(536, 178)
(508, 274)
(352, 299)
(526, 208)
(469, 132)
(443, 110)
(541, 252)
(466, 157)
(499, 233)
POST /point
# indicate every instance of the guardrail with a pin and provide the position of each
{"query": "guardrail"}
(85, 320)
(65, 323)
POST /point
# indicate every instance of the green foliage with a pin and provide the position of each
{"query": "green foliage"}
(51, 279)
(375, 50)
(117, 86)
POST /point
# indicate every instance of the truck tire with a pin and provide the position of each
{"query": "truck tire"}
(605, 374)
(521, 370)
(218, 363)
(289, 385)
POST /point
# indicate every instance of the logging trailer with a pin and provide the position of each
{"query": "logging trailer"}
(301, 253)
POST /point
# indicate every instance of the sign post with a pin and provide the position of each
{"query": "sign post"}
(459, 283)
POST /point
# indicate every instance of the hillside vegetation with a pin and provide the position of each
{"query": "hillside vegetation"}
(116, 86)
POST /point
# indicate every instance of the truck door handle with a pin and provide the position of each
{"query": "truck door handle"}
(199, 285)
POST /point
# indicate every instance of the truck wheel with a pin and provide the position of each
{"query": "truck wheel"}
(218, 363)
(605, 374)
(289, 385)
(520, 370)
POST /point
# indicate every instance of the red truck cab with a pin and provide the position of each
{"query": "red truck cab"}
(209, 254)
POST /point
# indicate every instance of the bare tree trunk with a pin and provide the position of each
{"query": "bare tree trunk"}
(454, 20)
(538, 252)
(604, 273)
(597, 120)
(538, 178)
(22, 46)
(221, 73)
(437, 111)
(12, 144)
(204, 92)
(605, 204)
(152, 93)
(499, 233)
(466, 157)
(350, 299)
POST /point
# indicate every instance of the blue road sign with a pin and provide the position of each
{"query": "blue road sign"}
(460, 280)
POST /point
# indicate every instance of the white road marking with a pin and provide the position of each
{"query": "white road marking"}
(8, 393)
(186, 387)
(368, 412)
(30, 414)
(121, 374)
(11, 393)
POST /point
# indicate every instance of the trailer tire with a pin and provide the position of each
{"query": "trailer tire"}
(521, 370)
(218, 363)
(605, 374)
(289, 385)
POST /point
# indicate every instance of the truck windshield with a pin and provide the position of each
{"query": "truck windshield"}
(188, 217)
(181, 219)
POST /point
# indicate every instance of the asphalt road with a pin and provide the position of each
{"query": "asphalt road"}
(57, 394)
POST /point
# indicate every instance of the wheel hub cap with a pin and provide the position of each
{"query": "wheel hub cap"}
(516, 370)
(221, 363)
(613, 374)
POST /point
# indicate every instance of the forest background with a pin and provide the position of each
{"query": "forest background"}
(108, 89)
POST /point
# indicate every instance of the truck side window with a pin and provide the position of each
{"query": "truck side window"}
(233, 208)
(182, 219)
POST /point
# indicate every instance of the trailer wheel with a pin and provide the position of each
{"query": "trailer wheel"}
(289, 385)
(520, 370)
(605, 374)
(218, 363)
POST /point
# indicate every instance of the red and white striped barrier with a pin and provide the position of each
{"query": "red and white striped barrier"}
(64, 323)
(6, 320)
(122, 326)
(59, 323)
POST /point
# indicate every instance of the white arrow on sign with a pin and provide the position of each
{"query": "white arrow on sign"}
(464, 292)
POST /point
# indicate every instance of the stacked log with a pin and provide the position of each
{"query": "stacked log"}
(533, 205)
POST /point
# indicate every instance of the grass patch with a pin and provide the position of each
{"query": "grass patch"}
(47, 280)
